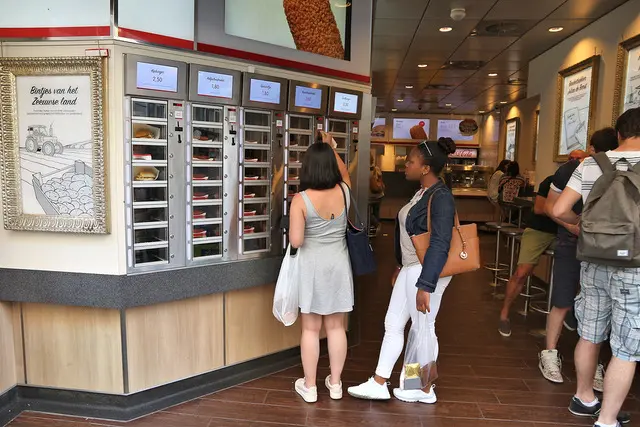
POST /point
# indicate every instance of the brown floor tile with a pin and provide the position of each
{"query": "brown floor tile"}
(252, 412)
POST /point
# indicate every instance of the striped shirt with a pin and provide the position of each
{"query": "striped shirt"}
(588, 172)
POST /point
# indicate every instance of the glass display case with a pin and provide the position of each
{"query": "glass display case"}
(467, 176)
(340, 130)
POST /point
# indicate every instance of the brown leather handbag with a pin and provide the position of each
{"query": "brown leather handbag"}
(464, 253)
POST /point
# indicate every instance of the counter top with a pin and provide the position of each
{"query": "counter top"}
(469, 192)
(120, 292)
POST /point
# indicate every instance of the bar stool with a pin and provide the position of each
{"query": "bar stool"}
(514, 236)
(530, 293)
(496, 266)
(544, 307)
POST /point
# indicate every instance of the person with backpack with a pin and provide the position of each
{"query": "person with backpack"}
(609, 247)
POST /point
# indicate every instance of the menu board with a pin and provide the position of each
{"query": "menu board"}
(410, 128)
(308, 97)
(264, 91)
(162, 78)
(379, 127)
(451, 129)
(215, 84)
(345, 103)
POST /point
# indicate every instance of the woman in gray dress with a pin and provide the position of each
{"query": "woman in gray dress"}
(318, 221)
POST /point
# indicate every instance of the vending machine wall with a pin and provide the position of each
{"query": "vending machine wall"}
(307, 108)
(261, 165)
(156, 92)
(345, 110)
(211, 153)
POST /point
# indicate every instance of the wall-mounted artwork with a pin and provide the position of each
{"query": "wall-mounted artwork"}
(52, 154)
(627, 89)
(511, 140)
(575, 107)
(536, 133)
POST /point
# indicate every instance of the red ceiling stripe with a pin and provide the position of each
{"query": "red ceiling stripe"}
(39, 32)
(280, 62)
(155, 38)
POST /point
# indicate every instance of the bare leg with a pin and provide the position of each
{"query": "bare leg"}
(586, 360)
(337, 340)
(310, 347)
(617, 382)
(554, 327)
(514, 288)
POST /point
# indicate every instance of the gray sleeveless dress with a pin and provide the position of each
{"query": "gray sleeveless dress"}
(326, 282)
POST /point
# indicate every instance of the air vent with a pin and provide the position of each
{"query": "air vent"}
(438, 87)
(463, 65)
(515, 28)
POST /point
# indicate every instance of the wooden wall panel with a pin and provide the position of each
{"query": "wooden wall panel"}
(251, 329)
(9, 364)
(73, 347)
(172, 341)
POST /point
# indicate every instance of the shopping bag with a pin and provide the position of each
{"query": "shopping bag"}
(419, 370)
(285, 298)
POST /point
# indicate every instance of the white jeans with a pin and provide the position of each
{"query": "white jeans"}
(402, 307)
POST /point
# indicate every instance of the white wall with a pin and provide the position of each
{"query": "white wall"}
(601, 37)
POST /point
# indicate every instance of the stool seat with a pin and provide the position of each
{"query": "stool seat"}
(550, 252)
(512, 231)
(497, 225)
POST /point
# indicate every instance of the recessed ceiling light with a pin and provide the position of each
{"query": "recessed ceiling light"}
(503, 102)
(493, 74)
(422, 65)
(394, 109)
(447, 105)
(481, 111)
(400, 100)
(408, 87)
(445, 29)
(555, 29)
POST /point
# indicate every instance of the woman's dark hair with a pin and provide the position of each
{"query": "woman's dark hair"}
(502, 167)
(436, 153)
(513, 169)
(604, 140)
(319, 168)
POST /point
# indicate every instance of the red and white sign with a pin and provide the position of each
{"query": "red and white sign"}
(465, 153)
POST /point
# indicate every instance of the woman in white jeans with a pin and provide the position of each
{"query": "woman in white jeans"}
(418, 288)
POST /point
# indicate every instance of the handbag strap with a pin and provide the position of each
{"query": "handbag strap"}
(456, 220)
(353, 204)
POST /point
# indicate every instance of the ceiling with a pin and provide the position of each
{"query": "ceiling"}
(496, 36)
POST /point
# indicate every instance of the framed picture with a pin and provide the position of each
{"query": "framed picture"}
(627, 89)
(575, 107)
(511, 140)
(536, 133)
(52, 154)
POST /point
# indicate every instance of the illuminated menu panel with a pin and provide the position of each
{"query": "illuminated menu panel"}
(345, 103)
(307, 97)
(156, 77)
(215, 85)
(264, 91)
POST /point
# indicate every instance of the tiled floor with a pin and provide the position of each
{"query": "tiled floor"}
(485, 380)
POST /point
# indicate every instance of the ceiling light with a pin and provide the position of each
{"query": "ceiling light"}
(408, 87)
(422, 65)
(503, 102)
(447, 105)
(445, 29)
(394, 109)
(493, 74)
(400, 100)
(481, 111)
(555, 29)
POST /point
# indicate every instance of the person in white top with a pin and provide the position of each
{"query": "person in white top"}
(609, 299)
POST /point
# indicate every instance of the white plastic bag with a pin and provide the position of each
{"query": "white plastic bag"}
(285, 298)
(419, 370)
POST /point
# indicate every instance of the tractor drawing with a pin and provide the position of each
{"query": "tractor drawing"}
(38, 139)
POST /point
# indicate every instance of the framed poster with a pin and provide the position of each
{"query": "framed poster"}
(575, 107)
(536, 132)
(511, 140)
(52, 144)
(627, 89)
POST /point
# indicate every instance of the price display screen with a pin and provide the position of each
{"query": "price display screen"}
(264, 91)
(345, 103)
(215, 85)
(308, 97)
(156, 77)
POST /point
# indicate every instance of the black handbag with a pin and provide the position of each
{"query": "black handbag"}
(363, 261)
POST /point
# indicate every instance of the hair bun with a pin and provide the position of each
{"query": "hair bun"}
(447, 145)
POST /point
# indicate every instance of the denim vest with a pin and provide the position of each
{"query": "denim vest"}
(442, 220)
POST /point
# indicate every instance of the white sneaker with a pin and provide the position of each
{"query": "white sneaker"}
(414, 396)
(308, 394)
(370, 390)
(335, 390)
(551, 366)
(598, 379)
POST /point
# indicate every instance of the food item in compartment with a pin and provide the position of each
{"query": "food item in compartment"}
(142, 156)
(202, 157)
(252, 178)
(199, 233)
(249, 230)
(250, 196)
(144, 133)
(313, 27)
(145, 174)
(249, 213)
(204, 138)
(253, 160)
(250, 142)
(198, 214)
(200, 196)
(200, 177)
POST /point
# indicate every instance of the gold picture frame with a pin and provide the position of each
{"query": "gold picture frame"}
(571, 131)
(622, 64)
(52, 137)
(536, 135)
